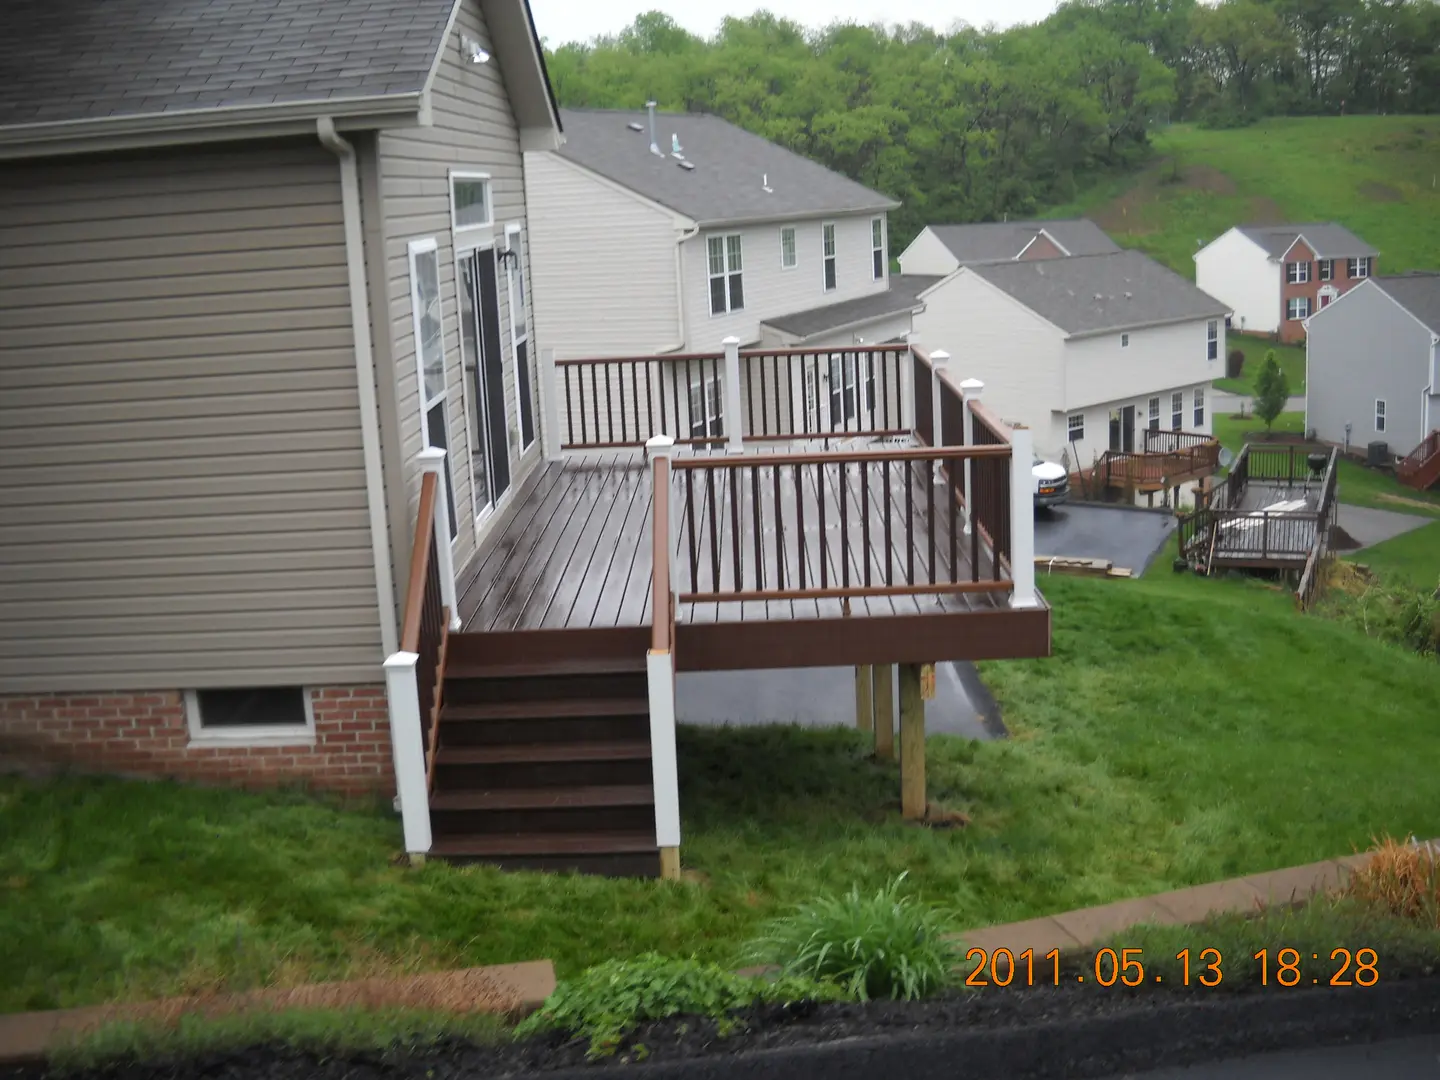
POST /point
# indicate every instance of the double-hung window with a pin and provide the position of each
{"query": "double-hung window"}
(727, 289)
(1212, 339)
(1297, 273)
(788, 259)
(706, 414)
(1297, 307)
(1358, 268)
(827, 250)
(1154, 416)
(877, 247)
(1075, 427)
(1124, 341)
(1199, 406)
(1177, 410)
(1326, 269)
(1379, 415)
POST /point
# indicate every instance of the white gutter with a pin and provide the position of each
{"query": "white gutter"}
(365, 378)
(680, 239)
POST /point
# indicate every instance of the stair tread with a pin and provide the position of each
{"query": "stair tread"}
(545, 709)
(518, 753)
(598, 666)
(481, 845)
(557, 798)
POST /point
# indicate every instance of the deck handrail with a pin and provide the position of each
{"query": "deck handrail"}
(1417, 459)
(425, 628)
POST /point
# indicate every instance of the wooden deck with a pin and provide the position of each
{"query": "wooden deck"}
(575, 553)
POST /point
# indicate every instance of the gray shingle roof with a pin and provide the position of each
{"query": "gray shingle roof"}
(993, 241)
(1093, 293)
(69, 60)
(901, 296)
(1418, 292)
(1330, 241)
(732, 168)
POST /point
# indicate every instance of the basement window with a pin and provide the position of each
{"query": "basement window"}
(250, 716)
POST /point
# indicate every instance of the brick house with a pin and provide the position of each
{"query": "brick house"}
(1277, 276)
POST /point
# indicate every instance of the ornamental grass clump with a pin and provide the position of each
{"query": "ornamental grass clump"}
(607, 1002)
(1402, 879)
(880, 946)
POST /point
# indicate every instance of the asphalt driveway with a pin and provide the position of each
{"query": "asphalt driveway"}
(1128, 537)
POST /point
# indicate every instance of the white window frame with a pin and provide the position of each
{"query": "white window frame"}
(1358, 268)
(1325, 269)
(712, 401)
(512, 243)
(877, 248)
(1380, 415)
(1199, 405)
(725, 273)
(832, 260)
(1177, 410)
(1297, 273)
(794, 251)
(488, 225)
(1152, 414)
(428, 245)
(202, 737)
(1212, 340)
(1300, 303)
(1075, 427)
(1124, 341)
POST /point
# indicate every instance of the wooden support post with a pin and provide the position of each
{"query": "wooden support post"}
(864, 697)
(912, 744)
(670, 864)
(885, 712)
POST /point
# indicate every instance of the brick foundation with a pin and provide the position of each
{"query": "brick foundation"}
(144, 732)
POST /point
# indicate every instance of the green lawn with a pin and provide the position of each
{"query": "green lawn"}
(1360, 486)
(1291, 359)
(1413, 556)
(1373, 174)
(1185, 730)
(1232, 430)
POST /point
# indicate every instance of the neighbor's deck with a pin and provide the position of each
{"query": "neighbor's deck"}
(575, 553)
(1274, 525)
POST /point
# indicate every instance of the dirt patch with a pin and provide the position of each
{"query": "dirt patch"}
(1378, 192)
(1264, 211)
(1208, 178)
(1400, 500)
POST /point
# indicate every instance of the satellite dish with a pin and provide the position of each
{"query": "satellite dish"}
(1227, 457)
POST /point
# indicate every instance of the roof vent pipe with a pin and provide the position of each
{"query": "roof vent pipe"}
(654, 146)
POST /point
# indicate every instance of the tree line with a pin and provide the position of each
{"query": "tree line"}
(972, 124)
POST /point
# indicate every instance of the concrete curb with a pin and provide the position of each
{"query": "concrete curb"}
(507, 989)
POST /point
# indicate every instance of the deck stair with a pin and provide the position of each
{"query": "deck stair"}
(1420, 469)
(543, 753)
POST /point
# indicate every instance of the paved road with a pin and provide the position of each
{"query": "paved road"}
(1396, 1059)
(825, 697)
(1376, 526)
(1128, 537)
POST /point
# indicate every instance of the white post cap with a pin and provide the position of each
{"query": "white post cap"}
(972, 387)
(940, 358)
(731, 340)
(659, 444)
(431, 459)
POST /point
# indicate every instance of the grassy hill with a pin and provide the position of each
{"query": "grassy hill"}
(1378, 175)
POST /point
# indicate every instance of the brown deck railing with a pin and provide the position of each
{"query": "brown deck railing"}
(425, 630)
(1418, 466)
(620, 402)
(881, 525)
(1168, 459)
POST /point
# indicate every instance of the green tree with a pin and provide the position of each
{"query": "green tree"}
(1272, 390)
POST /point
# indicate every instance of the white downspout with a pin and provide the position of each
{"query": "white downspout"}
(680, 337)
(365, 377)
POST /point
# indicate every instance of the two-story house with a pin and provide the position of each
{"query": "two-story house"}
(1274, 277)
(1085, 351)
(943, 249)
(666, 233)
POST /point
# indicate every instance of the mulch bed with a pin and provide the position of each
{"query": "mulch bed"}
(1069, 1031)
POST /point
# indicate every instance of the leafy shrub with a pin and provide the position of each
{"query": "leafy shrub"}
(1234, 364)
(1400, 879)
(881, 946)
(1272, 390)
(610, 1000)
(1391, 611)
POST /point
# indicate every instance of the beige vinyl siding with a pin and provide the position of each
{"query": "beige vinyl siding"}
(182, 488)
(473, 130)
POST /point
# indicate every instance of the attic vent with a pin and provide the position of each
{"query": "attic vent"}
(688, 166)
(1129, 296)
(1099, 296)
(634, 125)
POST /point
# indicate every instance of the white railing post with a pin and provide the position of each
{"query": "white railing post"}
(735, 442)
(432, 459)
(549, 406)
(970, 391)
(659, 446)
(939, 363)
(907, 383)
(1022, 519)
(407, 749)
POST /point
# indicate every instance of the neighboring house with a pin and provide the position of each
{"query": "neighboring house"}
(942, 249)
(1373, 364)
(660, 232)
(1086, 351)
(223, 229)
(1274, 277)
